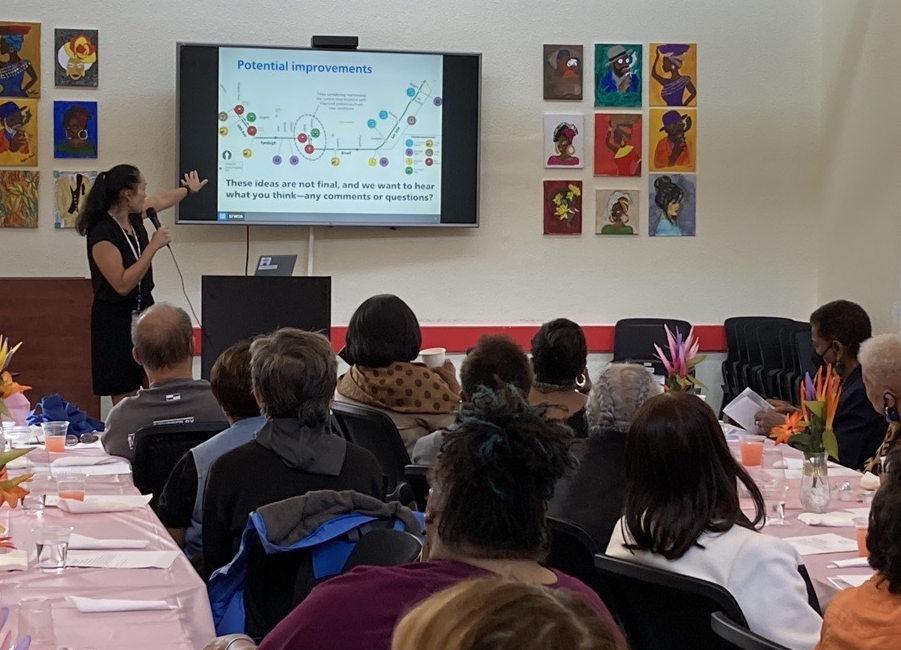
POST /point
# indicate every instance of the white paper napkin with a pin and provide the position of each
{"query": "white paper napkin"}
(82, 543)
(853, 562)
(97, 605)
(14, 560)
(104, 503)
(831, 519)
(76, 461)
(869, 481)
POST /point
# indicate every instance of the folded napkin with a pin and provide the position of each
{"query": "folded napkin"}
(869, 481)
(831, 519)
(104, 503)
(81, 543)
(13, 560)
(79, 461)
(853, 562)
(97, 605)
(54, 408)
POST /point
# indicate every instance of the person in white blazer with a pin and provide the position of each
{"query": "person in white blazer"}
(682, 514)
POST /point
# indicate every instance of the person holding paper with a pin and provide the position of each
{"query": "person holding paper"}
(682, 514)
(869, 617)
(837, 330)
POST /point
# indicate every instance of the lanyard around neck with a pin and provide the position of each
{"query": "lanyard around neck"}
(136, 253)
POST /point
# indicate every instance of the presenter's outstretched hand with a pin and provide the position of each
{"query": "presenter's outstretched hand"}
(161, 238)
(192, 182)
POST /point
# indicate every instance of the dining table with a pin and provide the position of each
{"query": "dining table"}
(185, 623)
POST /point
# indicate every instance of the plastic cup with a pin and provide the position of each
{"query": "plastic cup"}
(861, 524)
(36, 621)
(55, 435)
(18, 436)
(38, 488)
(53, 547)
(774, 500)
(71, 486)
(433, 357)
(751, 451)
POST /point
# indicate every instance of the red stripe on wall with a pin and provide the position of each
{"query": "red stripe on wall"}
(457, 338)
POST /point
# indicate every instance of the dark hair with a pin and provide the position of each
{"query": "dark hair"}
(231, 384)
(495, 360)
(496, 473)
(382, 331)
(884, 532)
(559, 352)
(666, 192)
(163, 337)
(681, 477)
(104, 193)
(295, 373)
(843, 321)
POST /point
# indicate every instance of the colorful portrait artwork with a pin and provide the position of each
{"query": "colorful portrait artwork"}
(562, 207)
(671, 205)
(617, 144)
(76, 52)
(74, 129)
(674, 74)
(20, 59)
(564, 141)
(673, 133)
(19, 198)
(18, 132)
(563, 66)
(617, 74)
(616, 212)
(71, 191)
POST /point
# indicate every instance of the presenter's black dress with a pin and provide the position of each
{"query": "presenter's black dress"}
(114, 369)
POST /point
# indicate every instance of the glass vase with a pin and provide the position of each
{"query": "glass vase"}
(815, 483)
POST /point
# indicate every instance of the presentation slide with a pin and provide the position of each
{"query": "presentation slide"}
(330, 136)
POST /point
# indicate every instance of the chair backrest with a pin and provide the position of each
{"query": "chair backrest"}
(384, 547)
(417, 477)
(160, 446)
(373, 430)
(737, 637)
(634, 339)
(661, 610)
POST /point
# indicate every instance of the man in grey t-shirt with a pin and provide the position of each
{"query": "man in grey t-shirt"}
(163, 341)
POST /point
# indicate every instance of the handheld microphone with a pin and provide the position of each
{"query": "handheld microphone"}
(155, 220)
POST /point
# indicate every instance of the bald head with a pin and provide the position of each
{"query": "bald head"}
(163, 338)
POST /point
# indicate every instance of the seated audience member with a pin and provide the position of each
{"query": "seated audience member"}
(880, 358)
(682, 515)
(868, 617)
(493, 614)
(485, 518)
(293, 375)
(495, 361)
(592, 497)
(163, 341)
(181, 502)
(559, 356)
(381, 343)
(837, 329)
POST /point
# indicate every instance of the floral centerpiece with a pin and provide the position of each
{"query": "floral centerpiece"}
(11, 491)
(681, 361)
(809, 430)
(8, 387)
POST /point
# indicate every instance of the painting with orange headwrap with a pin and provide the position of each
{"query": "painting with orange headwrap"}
(76, 53)
(20, 59)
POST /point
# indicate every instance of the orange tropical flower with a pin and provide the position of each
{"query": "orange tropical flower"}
(794, 423)
(8, 387)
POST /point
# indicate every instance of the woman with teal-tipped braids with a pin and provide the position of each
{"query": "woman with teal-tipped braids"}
(15, 69)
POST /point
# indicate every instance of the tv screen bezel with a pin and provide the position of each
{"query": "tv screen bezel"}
(475, 172)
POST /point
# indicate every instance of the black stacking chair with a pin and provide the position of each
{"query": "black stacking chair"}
(634, 339)
(736, 637)
(384, 547)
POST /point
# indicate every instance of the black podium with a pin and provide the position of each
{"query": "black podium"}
(235, 307)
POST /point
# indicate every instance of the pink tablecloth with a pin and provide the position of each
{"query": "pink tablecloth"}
(188, 627)
(818, 565)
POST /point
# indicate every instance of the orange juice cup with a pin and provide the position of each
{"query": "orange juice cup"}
(71, 486)
(861, 524)
(751, 451)
(55, 435)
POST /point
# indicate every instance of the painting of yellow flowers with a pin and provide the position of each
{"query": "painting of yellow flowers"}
(562, 207)
(19, 199)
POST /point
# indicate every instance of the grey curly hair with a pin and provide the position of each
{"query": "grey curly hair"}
(617, 395)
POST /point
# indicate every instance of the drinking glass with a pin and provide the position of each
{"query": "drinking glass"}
(861, 525)
(774, 499)
(36, 621)
(751, 450)
(772, 468)
(38, 489)
(55, 435)
(53, 547)
(71, 486)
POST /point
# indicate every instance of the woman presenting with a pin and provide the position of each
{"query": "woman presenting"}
(120, 255)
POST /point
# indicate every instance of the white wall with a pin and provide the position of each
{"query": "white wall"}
(860, 224)
(758, 126)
